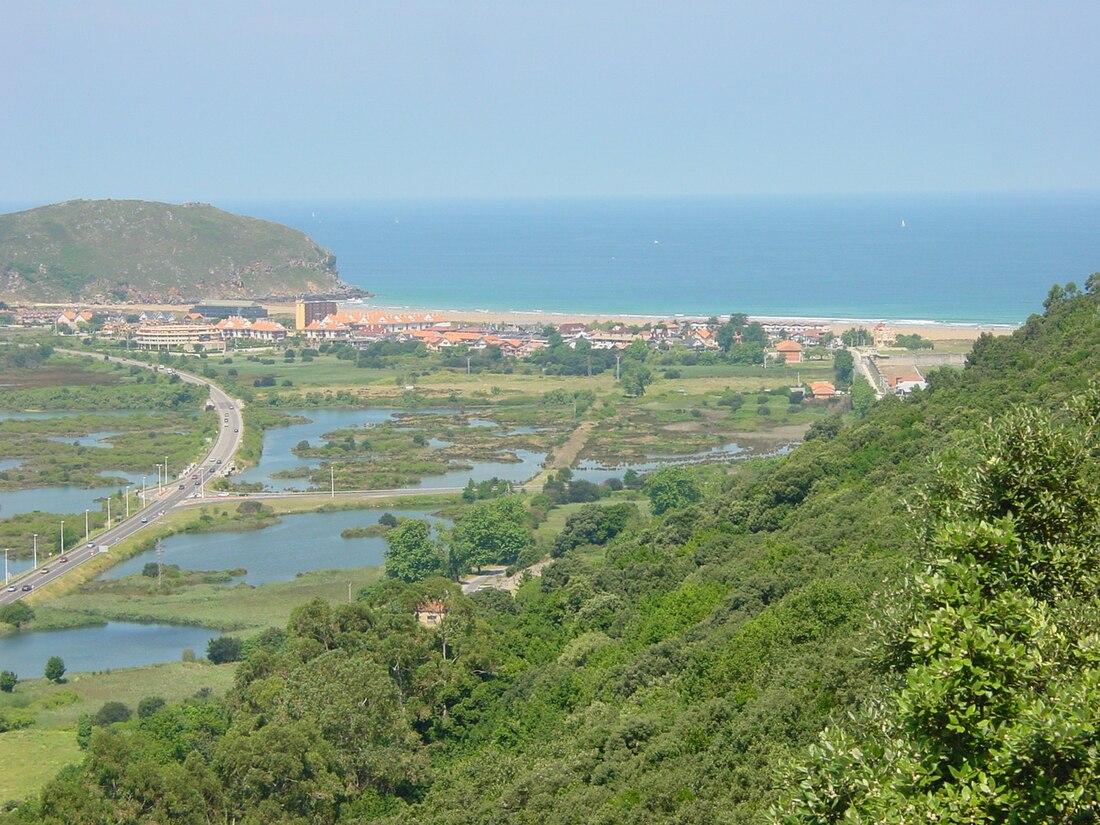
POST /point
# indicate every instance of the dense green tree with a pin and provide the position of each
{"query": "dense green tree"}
(842, 366)
(149, 705)
(8, 681)
(634, 379)
(222, 649)
(671, 488)
(110, 713)
(491, 532)
(411, 555)
(16, 614)
(55, 669)
(863, 396)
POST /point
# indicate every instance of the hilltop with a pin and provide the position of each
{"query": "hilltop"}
(128, 250)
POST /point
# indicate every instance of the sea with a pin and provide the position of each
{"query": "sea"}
(960, 258)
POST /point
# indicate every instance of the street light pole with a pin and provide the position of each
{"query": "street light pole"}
(108, 512)
(85, 526)
(5, 565)
(35, 549)
(143, 491)
(332, 480)
(62, 538)
(127, 502)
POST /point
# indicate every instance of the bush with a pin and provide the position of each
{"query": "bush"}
(8, 680)
(55, 669)
(223, 649)
(16, 614)
(110, 713)
(149, 705)
(151, 569)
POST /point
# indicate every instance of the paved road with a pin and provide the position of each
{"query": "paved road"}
(158, 503)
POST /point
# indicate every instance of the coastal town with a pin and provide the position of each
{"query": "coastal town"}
(215, 326)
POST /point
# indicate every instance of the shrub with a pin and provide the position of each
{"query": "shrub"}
(55, 669)
(223, 649)
(110, 713)
(8, 680)
(149, 705)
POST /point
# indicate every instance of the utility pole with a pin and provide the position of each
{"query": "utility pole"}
(618, 360)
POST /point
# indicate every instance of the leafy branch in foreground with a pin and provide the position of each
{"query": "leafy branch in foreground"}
(995, 717)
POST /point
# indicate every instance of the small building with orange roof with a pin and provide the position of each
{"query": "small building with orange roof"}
(791, 351)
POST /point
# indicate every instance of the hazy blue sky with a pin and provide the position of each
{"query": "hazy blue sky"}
(216, 100)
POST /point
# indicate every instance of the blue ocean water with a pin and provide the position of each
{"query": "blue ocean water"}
(979, 258)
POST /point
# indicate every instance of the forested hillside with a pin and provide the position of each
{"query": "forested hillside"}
(125, 250)
(920, 585)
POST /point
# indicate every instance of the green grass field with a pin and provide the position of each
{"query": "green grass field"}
(32, 757)
(241, 608)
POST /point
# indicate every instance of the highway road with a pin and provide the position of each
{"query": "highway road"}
(157, 502)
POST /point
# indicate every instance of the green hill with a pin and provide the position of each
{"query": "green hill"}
(119, 250)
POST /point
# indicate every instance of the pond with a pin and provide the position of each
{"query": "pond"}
(279, 443)
(114, 645)
(89, 440)
(297, 544)
(63, 498)
(597, 471)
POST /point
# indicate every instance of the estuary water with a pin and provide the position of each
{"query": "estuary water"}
(297, 544)
(107, 647)
(277, 454)
(985, 258)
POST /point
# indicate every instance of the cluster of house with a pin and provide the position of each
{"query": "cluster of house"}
(359, 328)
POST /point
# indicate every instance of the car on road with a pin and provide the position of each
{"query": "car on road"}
(43, 571)
(12, 588)
(236, 430)
(144, 520)
(194, 477)
(90, 544)
(182, 486)
(219, 461)
(27, 588)
(63, 559)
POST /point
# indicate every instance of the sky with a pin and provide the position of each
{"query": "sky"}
(225, 100)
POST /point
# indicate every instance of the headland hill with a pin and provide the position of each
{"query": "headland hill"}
(127, 251)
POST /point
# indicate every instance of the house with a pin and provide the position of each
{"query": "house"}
(430, 612)
(884, 336)
(822, 389)
(791, 351)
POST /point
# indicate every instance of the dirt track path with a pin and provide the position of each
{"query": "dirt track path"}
(565, 455)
